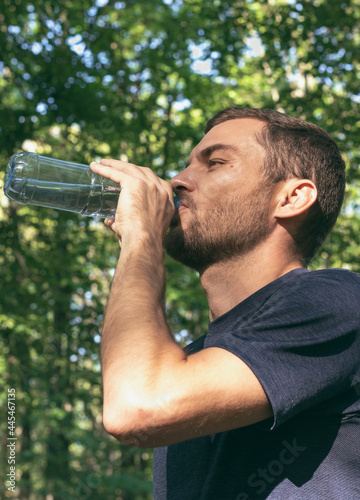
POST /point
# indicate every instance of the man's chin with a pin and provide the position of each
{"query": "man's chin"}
(174, 236)
(174, 242)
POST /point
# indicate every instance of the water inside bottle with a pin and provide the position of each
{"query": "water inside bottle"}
(90, 199)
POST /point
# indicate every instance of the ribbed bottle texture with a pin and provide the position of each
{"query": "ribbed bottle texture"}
(38, 180)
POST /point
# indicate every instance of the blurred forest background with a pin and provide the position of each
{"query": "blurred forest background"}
(136, 80)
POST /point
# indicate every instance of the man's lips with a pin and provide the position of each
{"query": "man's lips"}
(180, 205)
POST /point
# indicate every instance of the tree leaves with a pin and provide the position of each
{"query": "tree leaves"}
(136, 80)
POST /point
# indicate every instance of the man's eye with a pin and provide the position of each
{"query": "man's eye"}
(212, 163)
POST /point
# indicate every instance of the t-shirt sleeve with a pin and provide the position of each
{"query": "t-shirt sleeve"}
(303, 342)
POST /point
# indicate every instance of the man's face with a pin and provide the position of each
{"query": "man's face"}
(226, 201)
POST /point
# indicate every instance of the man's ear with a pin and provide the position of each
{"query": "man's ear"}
(295, 197)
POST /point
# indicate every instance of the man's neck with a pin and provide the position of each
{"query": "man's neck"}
(226, 284)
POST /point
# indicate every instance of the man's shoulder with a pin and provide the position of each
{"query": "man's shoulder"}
(332, 280)
(336, 274)
(338, 288)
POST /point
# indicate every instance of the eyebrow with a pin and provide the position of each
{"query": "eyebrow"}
(205, 154)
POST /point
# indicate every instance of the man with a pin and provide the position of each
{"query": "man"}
(266, 404)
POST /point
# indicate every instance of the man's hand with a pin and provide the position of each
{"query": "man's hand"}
(145, 206)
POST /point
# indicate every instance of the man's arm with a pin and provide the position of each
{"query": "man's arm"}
(154, 394)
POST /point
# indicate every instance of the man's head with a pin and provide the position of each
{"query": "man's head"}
(270, 149)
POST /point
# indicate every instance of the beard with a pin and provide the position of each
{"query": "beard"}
(227, 230)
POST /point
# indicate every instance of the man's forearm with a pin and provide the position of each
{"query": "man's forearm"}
(136, 343)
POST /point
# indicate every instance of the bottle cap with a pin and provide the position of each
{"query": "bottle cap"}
(177, 203)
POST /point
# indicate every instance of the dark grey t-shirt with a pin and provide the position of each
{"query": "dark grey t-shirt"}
(300, 335)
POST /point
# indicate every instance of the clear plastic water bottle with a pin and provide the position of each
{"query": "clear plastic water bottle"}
(38, 180)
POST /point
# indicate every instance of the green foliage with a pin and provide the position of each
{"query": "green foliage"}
(136, 80)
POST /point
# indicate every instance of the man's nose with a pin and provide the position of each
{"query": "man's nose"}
(183, 181)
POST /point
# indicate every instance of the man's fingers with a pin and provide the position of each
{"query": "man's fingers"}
(118, 164)
(119, 171)
(109, 222)
(104, 171)
(130, 169)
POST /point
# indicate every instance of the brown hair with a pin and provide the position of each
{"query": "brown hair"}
(295, 148)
